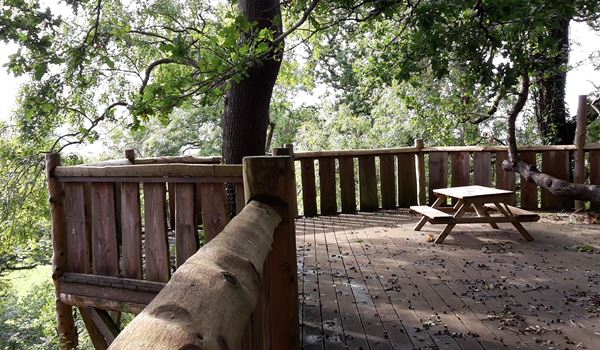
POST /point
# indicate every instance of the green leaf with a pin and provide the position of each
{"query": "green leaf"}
(40, 70)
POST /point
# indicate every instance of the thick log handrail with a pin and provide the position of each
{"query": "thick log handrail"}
(208, 301)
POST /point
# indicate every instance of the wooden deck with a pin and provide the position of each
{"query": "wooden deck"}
(368, 281)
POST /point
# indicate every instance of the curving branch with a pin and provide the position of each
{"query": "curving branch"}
(298, 23)
(149, 70)
(529, 173)
(513, 155)
(86, 131)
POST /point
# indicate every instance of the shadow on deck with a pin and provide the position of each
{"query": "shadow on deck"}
(368, 281)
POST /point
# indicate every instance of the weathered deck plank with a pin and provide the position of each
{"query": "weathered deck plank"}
(370, 282)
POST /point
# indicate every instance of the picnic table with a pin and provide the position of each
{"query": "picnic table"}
(480, 200)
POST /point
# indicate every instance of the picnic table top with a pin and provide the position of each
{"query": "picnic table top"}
(464, 192)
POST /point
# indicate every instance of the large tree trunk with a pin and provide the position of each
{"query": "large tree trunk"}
(246, 114)
(529, 173)
(551, 113)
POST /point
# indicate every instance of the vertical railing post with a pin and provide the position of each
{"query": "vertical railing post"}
(67, 333)
(288, 150)
(580, 136)
(420, 167)
(130, 155)
(272, 181)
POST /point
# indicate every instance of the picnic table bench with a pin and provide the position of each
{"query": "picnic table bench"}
(479, 199)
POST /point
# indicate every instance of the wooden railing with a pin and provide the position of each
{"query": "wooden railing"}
(120, 229)
(367, 180)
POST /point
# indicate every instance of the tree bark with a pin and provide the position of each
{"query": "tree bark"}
(529, 173)
(551, 113)
(246, 113)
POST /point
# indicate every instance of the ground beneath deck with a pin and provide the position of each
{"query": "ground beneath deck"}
(368, 281)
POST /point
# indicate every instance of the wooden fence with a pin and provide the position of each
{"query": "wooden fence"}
(368, 180)
(120, 229)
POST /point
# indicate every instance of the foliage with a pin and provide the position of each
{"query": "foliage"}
(452, 62)
(24, 222)
(188, 130)
(152, 76)
(27, 322)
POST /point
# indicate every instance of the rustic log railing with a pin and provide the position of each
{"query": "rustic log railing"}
(371, 179)
(120, 228)
(117, 224)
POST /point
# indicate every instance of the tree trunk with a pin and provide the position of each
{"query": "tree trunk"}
(246, 114)
(551, 113)
(529, 173)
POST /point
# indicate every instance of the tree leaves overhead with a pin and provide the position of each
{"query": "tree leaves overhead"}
(133, 60)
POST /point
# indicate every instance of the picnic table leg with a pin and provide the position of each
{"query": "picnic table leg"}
(506, 212)
(444, 233)
(420, 224)
(461, 210)
(523, 231)
(441, 199)
(481, 212)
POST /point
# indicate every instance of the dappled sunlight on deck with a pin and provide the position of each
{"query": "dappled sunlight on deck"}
(369, 281)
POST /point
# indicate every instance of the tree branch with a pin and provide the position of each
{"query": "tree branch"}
(296, 25)
(529, 173)
(513, 155)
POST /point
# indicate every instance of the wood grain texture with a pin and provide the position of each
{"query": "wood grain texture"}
(420, 166)
(595, 167)
(594, 156)
(327, 186)
(367, 177)
(207, 303)
(529, 196)
(482, 168)
(198, 203)
(555, 163)
(506, 180)
(388, 181)
(460, 169)
(407, 180)
(118, 225)
(105, 254)
(67, 332)
(347, 184)
(447, 281)
(93, 331)
(232, 171)
(214, 210)
(353, 152)
(272, 178)
(131, 222)
(186, 233)
(309, 191)
(171, 204)
(77, 240)
(156, 245)
(240, 200)
(438, 173)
